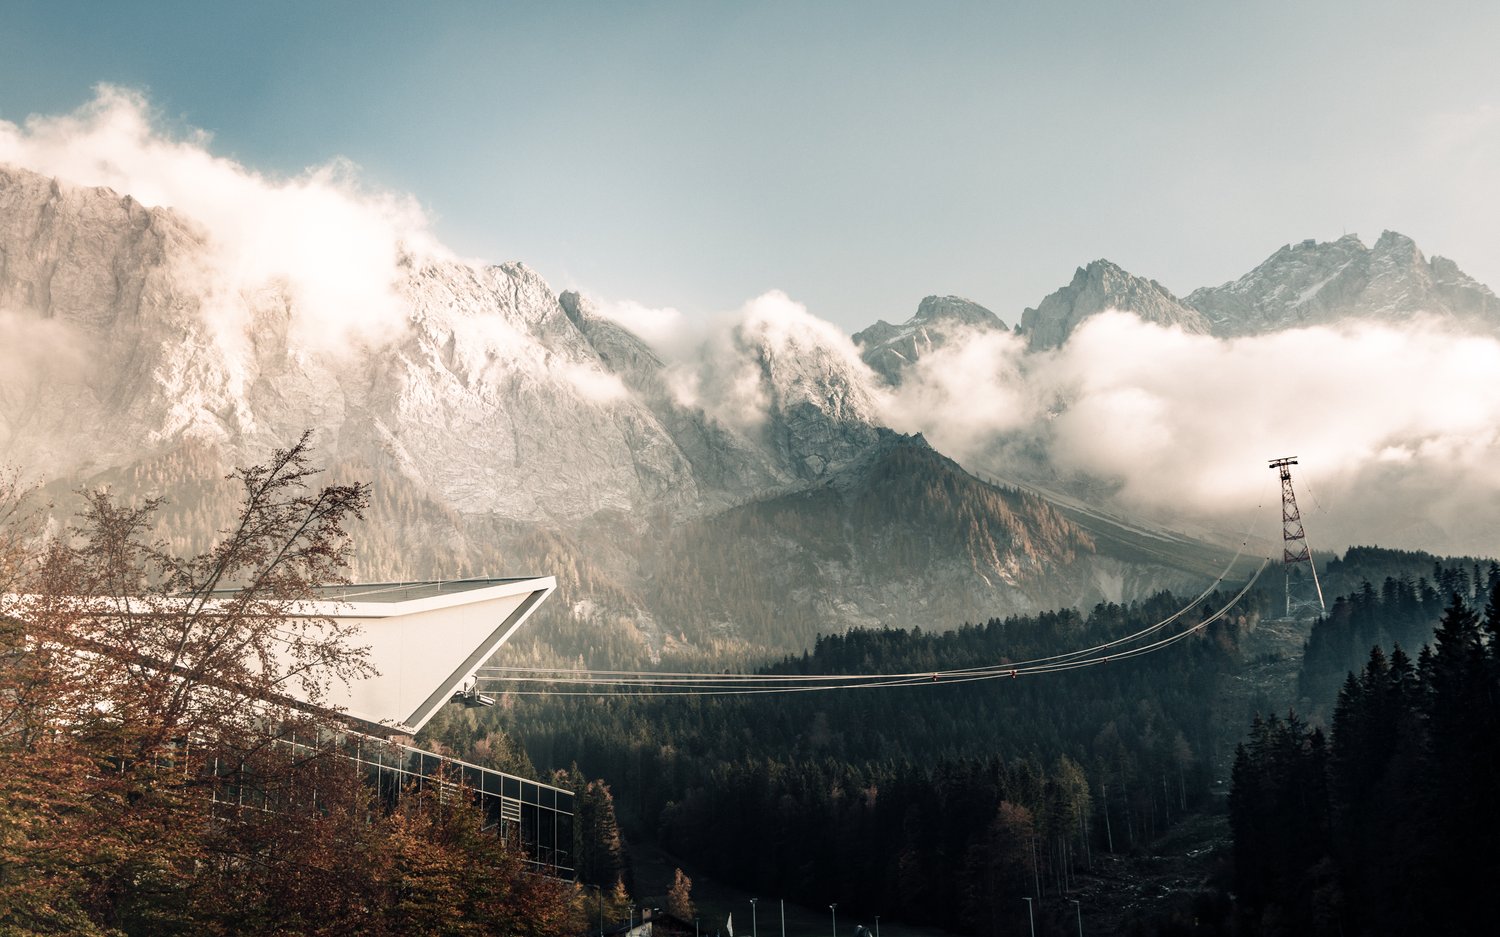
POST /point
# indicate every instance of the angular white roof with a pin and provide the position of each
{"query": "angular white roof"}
(425, 642)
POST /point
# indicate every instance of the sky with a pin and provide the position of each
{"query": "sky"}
(706, 172)
(857, 156)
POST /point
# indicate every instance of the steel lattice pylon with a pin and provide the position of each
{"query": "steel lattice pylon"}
(1301, 601)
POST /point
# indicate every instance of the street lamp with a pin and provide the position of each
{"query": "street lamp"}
(1030, 917)
(695, 926)
(877, 926)
(601, 905)
(1078, 910)
(753, 931)
(833, 910)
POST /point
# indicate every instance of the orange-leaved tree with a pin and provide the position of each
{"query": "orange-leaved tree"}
(161, 768)
(138, 684)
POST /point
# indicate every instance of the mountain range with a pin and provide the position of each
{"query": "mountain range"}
(749, 502)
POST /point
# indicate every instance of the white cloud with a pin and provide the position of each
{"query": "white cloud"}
(966, 394)
(663, 329)
(731, 365)
(595, 385)
(330, 242)
(1397, 427)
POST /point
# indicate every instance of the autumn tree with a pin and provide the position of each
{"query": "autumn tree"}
(138, 681)
(680, 897)
(147, 716)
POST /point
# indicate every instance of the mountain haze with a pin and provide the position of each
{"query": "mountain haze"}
(740, 489)
(499, 411)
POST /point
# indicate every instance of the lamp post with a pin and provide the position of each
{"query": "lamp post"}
(877, 926)
(833, 909)
(1078, 910)
(695, 926)
(783, 917)
(601, 905)
(753, 931)
(1030, 917)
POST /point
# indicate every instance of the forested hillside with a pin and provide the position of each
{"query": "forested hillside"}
(1387, 823)
(928, 801)
(1414, 589)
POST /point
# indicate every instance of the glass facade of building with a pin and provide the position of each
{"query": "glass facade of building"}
(537, 816)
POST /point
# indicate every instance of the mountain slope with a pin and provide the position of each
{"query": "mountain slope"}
(505, 425)
(902, 536)
(1314, 283)
(1098, 287)
(889, 349)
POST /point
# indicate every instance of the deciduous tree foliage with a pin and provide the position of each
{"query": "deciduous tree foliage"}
(145, 702)
(680, 897)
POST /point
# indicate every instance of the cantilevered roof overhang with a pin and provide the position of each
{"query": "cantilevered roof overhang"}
(425, 640)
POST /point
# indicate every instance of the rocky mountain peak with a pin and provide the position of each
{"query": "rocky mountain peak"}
(890, 349)
(1100, 286)
(1315, 283)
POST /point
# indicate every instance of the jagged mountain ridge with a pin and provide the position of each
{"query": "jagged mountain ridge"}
(498, 418)
(491, 398)
(1314, 283)
(1100, 286)
(890, 349)
(1310, 283)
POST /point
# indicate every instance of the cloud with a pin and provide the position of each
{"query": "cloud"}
(665, 329)
(594, 385)
(736, 366)
(967, 394)
(36, 356)
(323, 237)
(1397, 426)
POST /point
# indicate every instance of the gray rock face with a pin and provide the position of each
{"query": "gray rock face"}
(889, 349)
(90, 285)
(1314, 283)
(496, 397)
(1098, 287)
(725, 464)
(819, 410)
(506, 422)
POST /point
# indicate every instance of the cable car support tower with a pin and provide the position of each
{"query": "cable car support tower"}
(1301, 601)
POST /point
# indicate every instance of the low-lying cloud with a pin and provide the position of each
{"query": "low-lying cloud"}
(1397, 426)
(323, 237)
(731, 365)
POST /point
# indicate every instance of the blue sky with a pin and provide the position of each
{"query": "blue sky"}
(856, 155)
